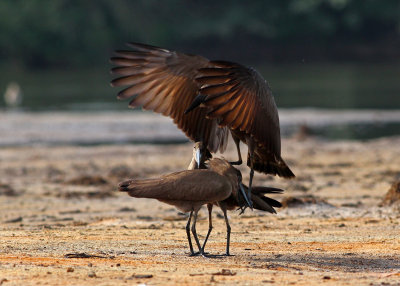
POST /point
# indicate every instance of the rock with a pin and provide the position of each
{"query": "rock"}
(291, 202)
(7, 190)
(393, 195)
(142, 276)
(14, 220)
(88, 181)
(92, 274)
(100, 194)
(225, 272)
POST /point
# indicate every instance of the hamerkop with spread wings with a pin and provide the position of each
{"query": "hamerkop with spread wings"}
(190, 189)
(206, 100)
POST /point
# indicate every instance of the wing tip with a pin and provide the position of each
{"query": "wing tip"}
(145, 47)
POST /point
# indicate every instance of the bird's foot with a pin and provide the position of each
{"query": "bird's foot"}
(198, 253)
(203, 253)
(195, 253)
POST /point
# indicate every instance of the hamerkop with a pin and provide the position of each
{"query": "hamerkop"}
(237, 200)
(206, 99)
(188, 190)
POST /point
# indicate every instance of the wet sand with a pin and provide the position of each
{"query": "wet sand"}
(63, 222)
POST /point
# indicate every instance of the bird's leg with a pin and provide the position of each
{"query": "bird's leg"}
(195, 233)
(228, 228)
(210, 227)
(247, 198)
(188, 234)
(250, 202)
(237, 143)
(250, 181)
(250, 144)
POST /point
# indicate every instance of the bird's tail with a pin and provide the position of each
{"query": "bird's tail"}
(273, 167)
(261, 202)
(148, 188)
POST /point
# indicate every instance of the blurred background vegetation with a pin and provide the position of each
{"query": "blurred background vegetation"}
(71, 33)
(318, 53)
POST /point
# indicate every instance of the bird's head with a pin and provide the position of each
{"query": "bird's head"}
(201, 153)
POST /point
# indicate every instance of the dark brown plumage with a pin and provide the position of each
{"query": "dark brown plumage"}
(188, 190)
(206, 99)
(237, 199)
(164, 81)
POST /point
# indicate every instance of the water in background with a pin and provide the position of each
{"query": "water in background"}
(326, 86)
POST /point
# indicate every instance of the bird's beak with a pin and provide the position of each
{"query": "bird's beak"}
(198, 157)
(249, 204)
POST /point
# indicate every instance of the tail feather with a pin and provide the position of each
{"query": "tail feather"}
(272, 202)
(141, 188)
(266, 190)
(273, 167)
(260, 204)
(258, 192)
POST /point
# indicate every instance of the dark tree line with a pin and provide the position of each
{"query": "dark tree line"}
(59, 33)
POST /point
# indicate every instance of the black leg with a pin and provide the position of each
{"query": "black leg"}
(237, 143)
(248, 202)
(250, 145)
(228, 230)
(195, 233)
(250, 183)
(210, 227)
(188, 233)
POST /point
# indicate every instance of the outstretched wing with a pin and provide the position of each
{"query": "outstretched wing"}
(164, 81)
(241, 99)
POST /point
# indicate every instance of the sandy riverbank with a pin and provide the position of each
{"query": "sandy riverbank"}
(61, 200)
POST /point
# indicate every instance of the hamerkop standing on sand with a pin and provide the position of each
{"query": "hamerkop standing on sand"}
(190, 189)
(206, 99)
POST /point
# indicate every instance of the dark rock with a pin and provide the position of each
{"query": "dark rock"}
(88, 181)
(291, 202)
(14, 220)
(92, 274)
(142, 276)
(101, 194)
(7, 190)
(392, 196)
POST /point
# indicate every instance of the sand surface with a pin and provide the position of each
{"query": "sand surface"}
(63, 223)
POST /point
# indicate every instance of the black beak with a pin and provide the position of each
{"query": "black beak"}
(248, 203)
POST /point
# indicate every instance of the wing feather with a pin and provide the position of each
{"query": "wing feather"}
(189, 185)
(164, 81)
(253, 103)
